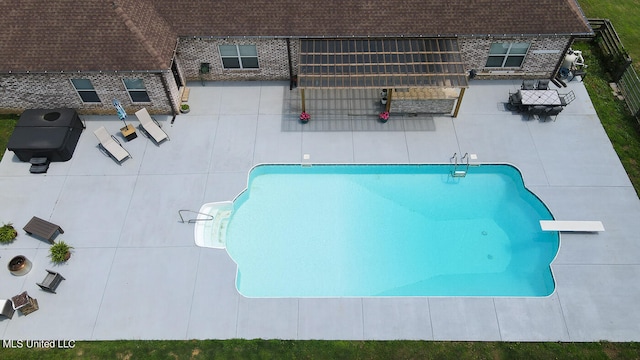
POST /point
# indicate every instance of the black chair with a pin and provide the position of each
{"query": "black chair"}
(51, 281)
(543, 84)
(553, 111)
(515, 101)
(538, 110)
(528, 85)
(566, 99)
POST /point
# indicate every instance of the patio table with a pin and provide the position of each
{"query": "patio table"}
(540, 97)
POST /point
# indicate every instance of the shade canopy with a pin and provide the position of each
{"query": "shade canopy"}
(380, 63)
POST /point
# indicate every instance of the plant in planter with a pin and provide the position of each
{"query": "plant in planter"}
(184, 108)
(384, 116)
(60, 252)
(305, 117)
(7, 233)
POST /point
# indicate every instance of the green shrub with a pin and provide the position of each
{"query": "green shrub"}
(60, 252)
(7, 233)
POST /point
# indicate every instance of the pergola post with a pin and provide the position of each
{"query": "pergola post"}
(304, 109)
(459, 102)
(387, 107)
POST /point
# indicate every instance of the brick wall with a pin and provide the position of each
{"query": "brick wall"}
(430, 106)
(541, 60)
(29, 91)
(272, 59)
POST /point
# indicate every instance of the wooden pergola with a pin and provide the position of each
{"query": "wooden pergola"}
(382, 63)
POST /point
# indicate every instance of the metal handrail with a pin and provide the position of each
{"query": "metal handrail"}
(191, 221)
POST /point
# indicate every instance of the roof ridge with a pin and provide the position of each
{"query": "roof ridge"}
(135, 30)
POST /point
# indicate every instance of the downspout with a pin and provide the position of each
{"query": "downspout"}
(290, 64)
(168, 93)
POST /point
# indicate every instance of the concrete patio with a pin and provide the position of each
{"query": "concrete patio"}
(136, 273)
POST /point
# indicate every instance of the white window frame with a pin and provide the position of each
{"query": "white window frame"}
(142, 89)
(239, 57)
(509, 54)
(80, 91)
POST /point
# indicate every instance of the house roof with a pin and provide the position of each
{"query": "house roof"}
(88, 35)
(121, 35)
(339, 18)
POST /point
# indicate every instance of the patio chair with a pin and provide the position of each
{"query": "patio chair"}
(51, 281)
(553, 111)
(150, 127)
(543, 84)
(110, 146)
(566, 99)
(7, 308)
(515, 101)
(538, 110)
(528, 84)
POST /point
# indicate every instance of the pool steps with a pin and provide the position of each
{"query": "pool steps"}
(212, 230)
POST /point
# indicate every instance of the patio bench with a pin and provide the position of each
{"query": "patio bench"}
(43, 228)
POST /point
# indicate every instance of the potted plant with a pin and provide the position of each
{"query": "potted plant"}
(60, 252)
(7, 233)
(305, 117)
(384, 116)
(184, 108)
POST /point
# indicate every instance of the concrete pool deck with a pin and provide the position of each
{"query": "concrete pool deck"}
(136, 273)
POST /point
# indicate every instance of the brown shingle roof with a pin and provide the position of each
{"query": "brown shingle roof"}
(106, 35)
(88, 35)
(362, 18)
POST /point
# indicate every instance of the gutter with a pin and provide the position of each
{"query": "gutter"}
(22, 72)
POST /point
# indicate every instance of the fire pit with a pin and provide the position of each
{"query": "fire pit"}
(19, 265)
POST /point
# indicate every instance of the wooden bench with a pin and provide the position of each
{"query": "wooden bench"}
(42, 228)
(184, 94)
(51, 281)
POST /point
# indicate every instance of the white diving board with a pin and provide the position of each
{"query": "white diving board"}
(577, 226)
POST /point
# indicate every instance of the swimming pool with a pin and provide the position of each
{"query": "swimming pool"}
(389, 230)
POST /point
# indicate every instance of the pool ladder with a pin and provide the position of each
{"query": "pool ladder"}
(191, 221)
(464, 167)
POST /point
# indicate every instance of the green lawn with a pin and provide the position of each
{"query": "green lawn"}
(7, 123)
(624, 14)
(281, 350)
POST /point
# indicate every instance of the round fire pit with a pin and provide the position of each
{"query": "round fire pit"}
(19, 265)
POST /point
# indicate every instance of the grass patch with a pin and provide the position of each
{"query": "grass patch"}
(7, 123)
(624, 15)
(315, 349)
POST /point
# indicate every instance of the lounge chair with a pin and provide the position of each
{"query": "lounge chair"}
(110, 146)
(7, 308)
(150, 127)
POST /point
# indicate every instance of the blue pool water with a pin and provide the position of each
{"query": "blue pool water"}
(389, 230)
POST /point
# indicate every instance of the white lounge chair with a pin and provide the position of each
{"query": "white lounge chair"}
(575, 226)
(110, 146)
(150, 127)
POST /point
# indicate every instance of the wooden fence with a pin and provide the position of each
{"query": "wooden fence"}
(618, 62)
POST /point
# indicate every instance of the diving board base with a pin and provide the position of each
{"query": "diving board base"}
(575, 226)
